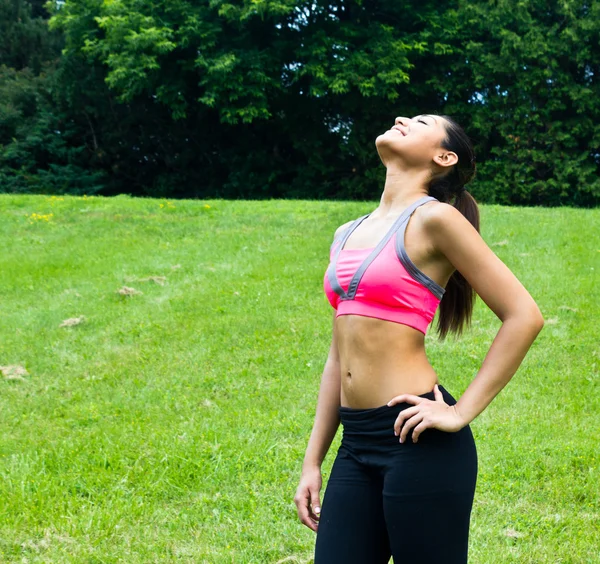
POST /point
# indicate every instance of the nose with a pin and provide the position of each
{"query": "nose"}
(400, 120)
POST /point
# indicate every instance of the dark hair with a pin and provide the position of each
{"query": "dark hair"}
(456, 307)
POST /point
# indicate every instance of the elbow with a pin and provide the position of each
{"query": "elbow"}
(536, 319)
(530, 317)
(539, 325)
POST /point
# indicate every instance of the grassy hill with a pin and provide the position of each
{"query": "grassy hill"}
(166, 419)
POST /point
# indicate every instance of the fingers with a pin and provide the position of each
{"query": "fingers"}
(402, 417)
(412, 422)
(304, 514)
(405, 398)
(416, 400)
(307, 509)
(418, 430)
(315, 505)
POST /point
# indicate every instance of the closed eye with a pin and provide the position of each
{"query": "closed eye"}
(421, 121)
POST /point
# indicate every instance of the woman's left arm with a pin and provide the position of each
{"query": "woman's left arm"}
(454, 236)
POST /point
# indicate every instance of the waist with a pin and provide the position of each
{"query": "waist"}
(382, 412)
(377, 420)
(369, 390)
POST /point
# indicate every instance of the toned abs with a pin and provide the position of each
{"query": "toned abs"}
(379, 360)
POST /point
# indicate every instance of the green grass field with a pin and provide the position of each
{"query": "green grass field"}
(170, 425)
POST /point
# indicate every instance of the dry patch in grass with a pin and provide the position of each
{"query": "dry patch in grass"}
(13, 372)
(72, 321)
(127, 291)
(511, 533)
(43, 544)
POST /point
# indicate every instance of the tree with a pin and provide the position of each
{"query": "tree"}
(250, 99)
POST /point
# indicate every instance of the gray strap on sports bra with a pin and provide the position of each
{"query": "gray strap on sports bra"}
(437, 290)
(353, 286)
(351, 227)
(331, 271)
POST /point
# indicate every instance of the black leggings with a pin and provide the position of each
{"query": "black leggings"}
(411, 501)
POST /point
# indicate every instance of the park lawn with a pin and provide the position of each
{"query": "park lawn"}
(170, 425)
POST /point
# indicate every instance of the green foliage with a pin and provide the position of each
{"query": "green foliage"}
(41, 150)
(533, 103)
(24, 38)
(250, 98)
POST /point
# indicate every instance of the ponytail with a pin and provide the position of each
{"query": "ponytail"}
(456, 306)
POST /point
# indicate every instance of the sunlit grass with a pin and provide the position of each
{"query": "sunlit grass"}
(169, 423)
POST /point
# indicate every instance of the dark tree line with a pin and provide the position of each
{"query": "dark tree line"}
(284, 98)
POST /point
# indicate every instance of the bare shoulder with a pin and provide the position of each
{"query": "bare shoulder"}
(453, 235)
(436, 218)
(342, 227)
(440, 215)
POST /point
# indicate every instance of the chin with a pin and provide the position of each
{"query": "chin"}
(383, 139)
(388, 143)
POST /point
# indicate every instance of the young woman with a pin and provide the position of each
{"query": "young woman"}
(403, 480)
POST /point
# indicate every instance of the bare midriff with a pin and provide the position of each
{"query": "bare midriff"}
(379, 360)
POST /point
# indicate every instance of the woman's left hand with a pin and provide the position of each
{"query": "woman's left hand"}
(425, 414)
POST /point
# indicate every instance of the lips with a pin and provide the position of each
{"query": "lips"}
(398, 129)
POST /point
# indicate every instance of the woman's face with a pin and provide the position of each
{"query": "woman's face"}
(415, 142)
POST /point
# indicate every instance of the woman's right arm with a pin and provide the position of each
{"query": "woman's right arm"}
(327, 418)
(325, 426)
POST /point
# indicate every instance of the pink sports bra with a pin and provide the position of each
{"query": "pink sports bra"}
(381, 281)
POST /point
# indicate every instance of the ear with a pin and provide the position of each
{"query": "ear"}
(446, 158)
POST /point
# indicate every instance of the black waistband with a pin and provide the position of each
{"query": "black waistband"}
(384, 412)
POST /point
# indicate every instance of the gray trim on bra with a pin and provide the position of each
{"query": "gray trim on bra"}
(333, 281)
(340, 235)
(410, 267)
(437, 290)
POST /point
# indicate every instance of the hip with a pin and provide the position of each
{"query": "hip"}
(370, 433)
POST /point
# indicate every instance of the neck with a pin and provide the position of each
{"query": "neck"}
(402, 188)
